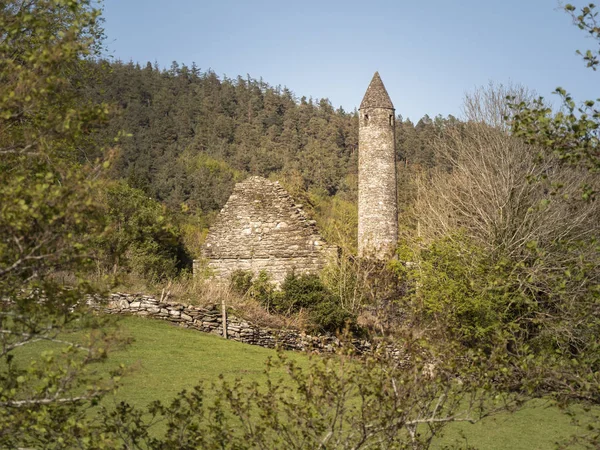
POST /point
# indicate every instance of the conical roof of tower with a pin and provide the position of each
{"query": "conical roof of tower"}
(376, 95)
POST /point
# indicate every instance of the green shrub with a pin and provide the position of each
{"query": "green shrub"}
(460, 291)
(264, 291)
(143, 238)
(241, 281)
(260, 288)
(296, 293)
(308, 292)
(302, 291)
(329, 316)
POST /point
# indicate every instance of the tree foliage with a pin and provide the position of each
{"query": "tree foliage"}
(193, 134)
(142, 238)
(49, 218)
(508, 251)
(572, 136)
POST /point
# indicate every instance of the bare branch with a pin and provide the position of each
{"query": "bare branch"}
(47, 401)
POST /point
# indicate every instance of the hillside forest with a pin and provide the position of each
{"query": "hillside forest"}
(186, 137)
(111, 173)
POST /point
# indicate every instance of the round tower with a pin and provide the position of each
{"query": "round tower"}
(377, 202)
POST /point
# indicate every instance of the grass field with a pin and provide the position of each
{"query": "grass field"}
(167, 359)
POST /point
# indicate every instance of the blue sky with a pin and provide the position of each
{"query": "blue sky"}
(429, 53)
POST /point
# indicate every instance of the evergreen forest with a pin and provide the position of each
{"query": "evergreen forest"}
(186, 137)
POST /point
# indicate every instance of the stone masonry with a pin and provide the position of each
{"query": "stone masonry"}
(209, 319)
(377, 199)
(261, 228)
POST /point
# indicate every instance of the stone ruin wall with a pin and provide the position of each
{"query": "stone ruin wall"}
(209, 319)
(262, 228)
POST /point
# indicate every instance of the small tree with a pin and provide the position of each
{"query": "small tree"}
(573, 137)
(144, 237)
(48, 220)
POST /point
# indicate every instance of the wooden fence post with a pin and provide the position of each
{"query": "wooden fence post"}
(224, 318)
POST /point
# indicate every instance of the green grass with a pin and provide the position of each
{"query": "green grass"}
(166, 359)
(170, 359)
(537, 427)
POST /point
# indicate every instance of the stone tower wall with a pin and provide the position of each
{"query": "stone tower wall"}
(261, 228)
(377, 198)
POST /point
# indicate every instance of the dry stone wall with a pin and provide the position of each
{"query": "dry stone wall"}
(209, 319)
(262, 228)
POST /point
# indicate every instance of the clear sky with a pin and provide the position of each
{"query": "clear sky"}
(429, 53)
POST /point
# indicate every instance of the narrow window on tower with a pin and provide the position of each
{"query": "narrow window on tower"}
(366, 118)
(391, 120)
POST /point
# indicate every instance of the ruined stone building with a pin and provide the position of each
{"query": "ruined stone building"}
(377, 199)
(261, 228)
